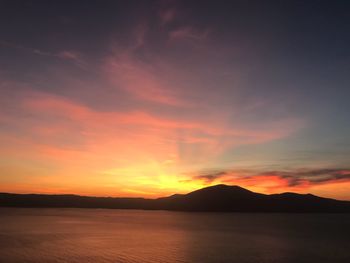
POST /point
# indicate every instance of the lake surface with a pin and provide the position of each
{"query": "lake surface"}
(101, 235)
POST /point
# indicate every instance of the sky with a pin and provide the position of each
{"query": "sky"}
(151, 98)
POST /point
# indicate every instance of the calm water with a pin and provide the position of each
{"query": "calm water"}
(98, 235)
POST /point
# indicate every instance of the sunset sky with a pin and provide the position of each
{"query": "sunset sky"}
(151, 98)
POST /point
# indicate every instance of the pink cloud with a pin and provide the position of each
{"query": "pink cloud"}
(141, 80)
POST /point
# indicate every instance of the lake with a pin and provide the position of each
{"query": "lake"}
(102, 235)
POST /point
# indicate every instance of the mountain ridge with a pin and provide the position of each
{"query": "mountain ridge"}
(217, 198)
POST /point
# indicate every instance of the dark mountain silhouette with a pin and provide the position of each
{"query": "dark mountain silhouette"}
(219, 198)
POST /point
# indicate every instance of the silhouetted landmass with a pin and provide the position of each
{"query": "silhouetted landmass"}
(219, 198)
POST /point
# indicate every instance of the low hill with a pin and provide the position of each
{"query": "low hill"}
(218, 198)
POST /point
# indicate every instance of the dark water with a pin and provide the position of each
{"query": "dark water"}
(97, 235)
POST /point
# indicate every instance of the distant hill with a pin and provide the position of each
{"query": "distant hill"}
(218, 198)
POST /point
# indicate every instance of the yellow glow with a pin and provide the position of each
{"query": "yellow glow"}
(152, 179)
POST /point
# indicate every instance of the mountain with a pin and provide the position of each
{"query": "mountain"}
(224, 198)
(218, 198)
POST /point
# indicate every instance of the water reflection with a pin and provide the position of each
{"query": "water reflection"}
(88, 235)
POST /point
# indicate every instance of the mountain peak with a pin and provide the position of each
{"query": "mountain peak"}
(219, 190)
(224, 187)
